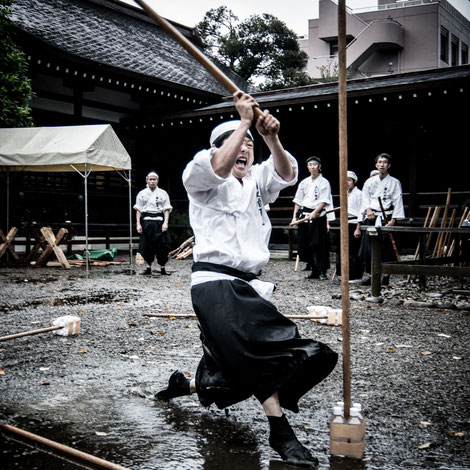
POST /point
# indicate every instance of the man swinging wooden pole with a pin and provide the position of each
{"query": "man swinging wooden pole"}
(250, 348)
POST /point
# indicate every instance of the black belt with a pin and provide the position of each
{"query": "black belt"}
(152, 214)
(221, 268)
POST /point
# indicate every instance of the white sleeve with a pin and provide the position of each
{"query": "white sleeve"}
(269, 181)
(166, 202)
(325, 194)
(354, 203)
(300, 194)
(199, 176)
(397, 199)
(139, 203)
(365, 199)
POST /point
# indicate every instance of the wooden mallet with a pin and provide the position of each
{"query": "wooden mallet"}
(67, 325)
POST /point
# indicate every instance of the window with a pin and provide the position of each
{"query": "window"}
(454, 50)
(444, 45)
(464, 54)
(334, 48)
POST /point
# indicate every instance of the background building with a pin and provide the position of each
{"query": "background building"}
(394, 37)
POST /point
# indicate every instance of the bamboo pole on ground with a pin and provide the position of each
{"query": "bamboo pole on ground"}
(193, 315)
(62, 448)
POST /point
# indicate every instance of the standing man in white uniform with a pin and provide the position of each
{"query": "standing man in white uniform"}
(388, 189)
(249, 347)
(152, 213)
(312, 199)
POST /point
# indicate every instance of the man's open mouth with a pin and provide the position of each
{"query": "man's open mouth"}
(241, 161)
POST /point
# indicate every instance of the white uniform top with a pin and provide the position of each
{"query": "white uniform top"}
(155, 201)
(229, 219)
(311, 192)
(389, 190)
(354, 205)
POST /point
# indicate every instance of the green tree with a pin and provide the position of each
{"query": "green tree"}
(15, 86)
(260, 49)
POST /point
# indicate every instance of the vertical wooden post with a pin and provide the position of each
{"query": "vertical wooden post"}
(343, 198)
(376, 264)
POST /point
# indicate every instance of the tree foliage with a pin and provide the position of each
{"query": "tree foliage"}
(15, 86)
(260, 48)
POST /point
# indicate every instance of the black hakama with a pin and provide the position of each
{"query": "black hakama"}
(387, 252)
(356, 266)
(313, 244)
(154, 242)
(250, 348)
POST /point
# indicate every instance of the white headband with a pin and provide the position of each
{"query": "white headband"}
(152, 173)
(227, 126)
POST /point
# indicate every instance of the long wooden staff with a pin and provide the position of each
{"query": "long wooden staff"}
(389, 234)
(297, 222)
(63, 448)
(437, 246)
(194, 51)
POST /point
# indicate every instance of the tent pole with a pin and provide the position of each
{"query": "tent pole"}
(87, 255)
(8, 212)
(8, 201)
(131, 257)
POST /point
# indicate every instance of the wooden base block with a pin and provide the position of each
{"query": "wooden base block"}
(348, 449)
(347, 439)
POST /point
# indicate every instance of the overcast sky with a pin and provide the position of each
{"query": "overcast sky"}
(295, 13)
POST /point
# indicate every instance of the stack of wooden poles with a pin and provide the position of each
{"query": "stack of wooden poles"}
(444, 244)
(184, 250)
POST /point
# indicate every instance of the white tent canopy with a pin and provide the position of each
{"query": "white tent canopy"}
(62, 149)
(56, 149)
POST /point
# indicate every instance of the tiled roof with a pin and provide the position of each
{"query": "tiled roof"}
(365, 86)
(115, 34)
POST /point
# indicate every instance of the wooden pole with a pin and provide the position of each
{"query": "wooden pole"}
(299, 221)
(433, 223)
(418, 246)
(343, 202)
(297, 260)
(32, 332)
(437, 247)
(447, 236)
(62, 448)
(193, 50)
(193, 315)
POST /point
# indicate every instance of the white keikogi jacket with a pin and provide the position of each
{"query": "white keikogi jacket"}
(229, 219)
(312, 192)
(389, 190)
(155, 201)
(354, 205)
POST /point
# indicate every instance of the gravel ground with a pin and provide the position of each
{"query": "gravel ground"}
(94, 391)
